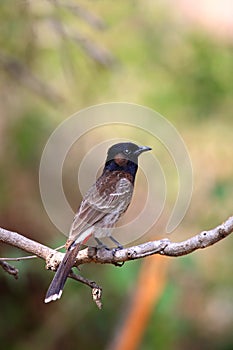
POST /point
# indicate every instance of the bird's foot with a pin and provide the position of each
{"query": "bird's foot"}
(101, 244)
(119, 246)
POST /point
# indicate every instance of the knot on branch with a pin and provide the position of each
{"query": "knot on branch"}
(132, 253)
(202, 239)
(222, 232)
(53, 261)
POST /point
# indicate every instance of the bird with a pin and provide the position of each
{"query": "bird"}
(102, 206)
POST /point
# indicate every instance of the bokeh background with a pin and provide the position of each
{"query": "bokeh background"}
(57, 57)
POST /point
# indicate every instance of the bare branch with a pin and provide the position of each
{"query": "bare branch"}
(114, 256)
(95, 51)
(26, 244)
(98, 53)
(91, 18)
(19, 258)
(10, 269)
(21, 73)
(96, 290)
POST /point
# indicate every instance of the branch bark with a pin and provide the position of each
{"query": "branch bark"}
(116, 256)
(113, 256)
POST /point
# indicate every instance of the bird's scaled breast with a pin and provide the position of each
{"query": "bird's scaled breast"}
(111, 180)
(115, 190)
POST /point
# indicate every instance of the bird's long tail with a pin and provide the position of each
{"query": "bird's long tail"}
(56, 286)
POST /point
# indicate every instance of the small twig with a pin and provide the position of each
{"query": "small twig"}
(60, 247)
(19, 72)
(27, 257)
(95, 51)
(19, 258)
(96, 290)
(92, 19)
(10, 269)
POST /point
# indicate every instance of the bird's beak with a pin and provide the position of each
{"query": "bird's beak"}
(142, 149)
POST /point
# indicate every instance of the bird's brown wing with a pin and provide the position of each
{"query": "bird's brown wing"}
(107, 195)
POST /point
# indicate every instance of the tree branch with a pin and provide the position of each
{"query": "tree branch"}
(19, 72)
(115, 256)
(10, 269)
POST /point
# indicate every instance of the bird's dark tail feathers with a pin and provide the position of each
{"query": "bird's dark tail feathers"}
(56, 286)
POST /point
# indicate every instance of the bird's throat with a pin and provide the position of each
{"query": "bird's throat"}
(128, 167)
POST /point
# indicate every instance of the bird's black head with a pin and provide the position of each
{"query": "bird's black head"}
(124, 156)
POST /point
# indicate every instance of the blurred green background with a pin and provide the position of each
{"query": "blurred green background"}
(59, 57)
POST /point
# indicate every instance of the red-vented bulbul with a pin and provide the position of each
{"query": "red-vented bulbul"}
(100, 209)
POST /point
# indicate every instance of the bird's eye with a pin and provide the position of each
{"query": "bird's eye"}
(127, 151)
